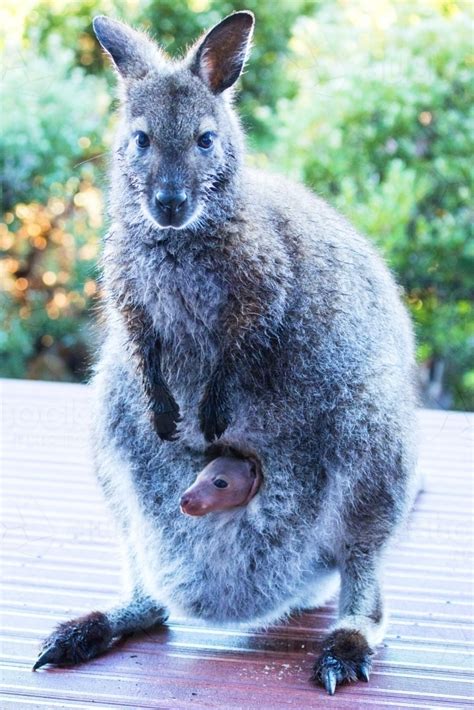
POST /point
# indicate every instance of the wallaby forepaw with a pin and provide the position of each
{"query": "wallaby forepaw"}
(346, 657)
(166, 417)
(76, 641)
(212, 418)
(165, 426)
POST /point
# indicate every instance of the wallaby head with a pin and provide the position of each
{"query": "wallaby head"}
(179, 141)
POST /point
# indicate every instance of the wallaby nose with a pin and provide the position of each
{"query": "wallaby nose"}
(186, 505)
(170, 200)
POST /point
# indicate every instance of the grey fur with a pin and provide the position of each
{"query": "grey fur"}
(276, 324)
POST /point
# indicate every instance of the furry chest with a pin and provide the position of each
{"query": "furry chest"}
(185, 299)
(184, 302)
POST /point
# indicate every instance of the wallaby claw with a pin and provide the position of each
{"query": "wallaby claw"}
(76, 641)
(330, 681)
(165, 425)
(346, 658)
(49, 655)
(213, 423)
(363, 672)
(172, 436)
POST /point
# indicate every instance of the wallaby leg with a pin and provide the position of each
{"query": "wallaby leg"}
(84, 638)
(348, 649)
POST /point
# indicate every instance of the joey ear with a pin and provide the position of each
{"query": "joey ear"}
(220, 56)
(132, 52)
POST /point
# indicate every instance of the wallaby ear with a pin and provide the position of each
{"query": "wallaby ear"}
(132, 52)
(220, 56)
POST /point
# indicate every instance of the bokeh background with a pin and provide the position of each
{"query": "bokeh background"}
(369, 103)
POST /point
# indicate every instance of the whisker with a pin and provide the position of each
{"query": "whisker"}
(89, 160)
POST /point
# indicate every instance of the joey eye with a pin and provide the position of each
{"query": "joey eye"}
(141, 139)
(206, 140)
(220, 483)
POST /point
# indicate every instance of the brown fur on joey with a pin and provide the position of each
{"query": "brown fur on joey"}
(226, 482)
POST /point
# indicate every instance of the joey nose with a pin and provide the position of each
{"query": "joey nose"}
(170, 200)
(184, 502)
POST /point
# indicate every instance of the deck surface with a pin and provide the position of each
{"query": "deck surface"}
(60, 560)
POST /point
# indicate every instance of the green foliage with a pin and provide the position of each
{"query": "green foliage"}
(49, 127)
(48, 279)
(51, 132)
(384, 128)
(70, 22)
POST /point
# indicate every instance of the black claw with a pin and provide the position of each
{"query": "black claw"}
(165, 426)
(169, 436)
(47, 656)
(330, 681)
(213, 430)
(363, 672)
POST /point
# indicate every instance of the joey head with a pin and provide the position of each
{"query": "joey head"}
(225, 483)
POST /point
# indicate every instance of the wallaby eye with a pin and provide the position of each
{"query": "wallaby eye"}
(141, 139)
(206, 140)
(220, 483)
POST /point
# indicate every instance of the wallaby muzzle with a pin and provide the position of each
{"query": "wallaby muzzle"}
(171, 207)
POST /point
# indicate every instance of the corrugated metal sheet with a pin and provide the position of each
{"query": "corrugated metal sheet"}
(60, 559)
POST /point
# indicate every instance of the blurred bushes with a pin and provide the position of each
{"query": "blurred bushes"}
(54, 118)
(368, 103)
(382, 125)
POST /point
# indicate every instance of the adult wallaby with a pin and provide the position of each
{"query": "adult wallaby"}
(245, 318)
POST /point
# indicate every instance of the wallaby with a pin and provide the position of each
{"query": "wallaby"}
(248, 319)
(226, 482)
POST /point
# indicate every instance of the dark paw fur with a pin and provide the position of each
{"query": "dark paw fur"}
(165, 415)
(212, 417)
(76, 641)
(165, 426)
(346, 656)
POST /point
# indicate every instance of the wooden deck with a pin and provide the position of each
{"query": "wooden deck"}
(60, 560)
